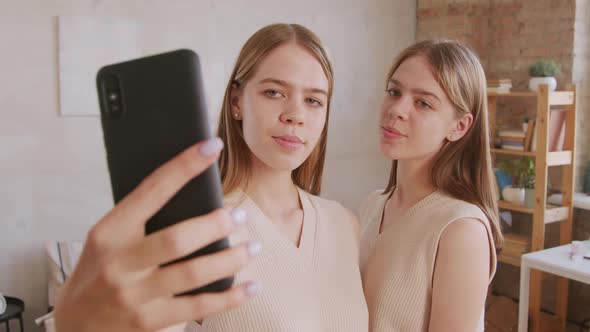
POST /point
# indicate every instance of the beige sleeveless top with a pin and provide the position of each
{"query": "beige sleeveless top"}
(398, 264)
(316, 287)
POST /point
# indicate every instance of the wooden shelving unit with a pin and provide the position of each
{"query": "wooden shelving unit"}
(543, 213)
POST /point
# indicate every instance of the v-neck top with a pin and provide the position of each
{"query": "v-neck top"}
(313, 287)
(397, 264)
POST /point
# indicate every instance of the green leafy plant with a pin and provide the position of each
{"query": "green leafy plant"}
(544, 68)
(522, 171)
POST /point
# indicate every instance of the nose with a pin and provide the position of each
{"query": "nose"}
(400, 108)
(293, 114)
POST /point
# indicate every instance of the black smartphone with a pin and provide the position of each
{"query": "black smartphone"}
(152, 108)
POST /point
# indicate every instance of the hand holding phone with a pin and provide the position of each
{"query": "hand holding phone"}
(118, 285)
(151, 109)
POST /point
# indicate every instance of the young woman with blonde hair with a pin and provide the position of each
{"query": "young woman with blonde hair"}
(274, 123)
(428, 241)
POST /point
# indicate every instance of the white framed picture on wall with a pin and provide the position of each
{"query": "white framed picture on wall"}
(86, 43)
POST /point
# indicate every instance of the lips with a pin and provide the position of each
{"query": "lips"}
(392, 133)
(289, 142)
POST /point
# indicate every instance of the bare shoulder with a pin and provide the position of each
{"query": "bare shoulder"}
(462, 273)
(464, 236)
(464, 246)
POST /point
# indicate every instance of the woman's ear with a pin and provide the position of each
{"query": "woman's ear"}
(461, 128)
(234, 101)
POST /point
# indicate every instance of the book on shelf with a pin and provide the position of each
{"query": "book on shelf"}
(510, 143)
(556, 130)
(497, 81)
(533, 147)
(529, 135)
(502, 85)
(517, 133)
(516, 244)
(513, 147)
(499, 90)
(516, 238)
(520, 140)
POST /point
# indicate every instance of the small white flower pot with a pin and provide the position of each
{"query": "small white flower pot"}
(513, 195)
(534, 83)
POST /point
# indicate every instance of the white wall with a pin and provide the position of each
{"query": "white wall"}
(53, 176)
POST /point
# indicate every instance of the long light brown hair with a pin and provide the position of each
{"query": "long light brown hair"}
(235, 162)
(461, 169)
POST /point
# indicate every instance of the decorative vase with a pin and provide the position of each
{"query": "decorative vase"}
(529, 198)
(534, 83)
(513, 195)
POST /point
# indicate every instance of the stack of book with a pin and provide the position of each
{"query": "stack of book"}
(502, 85)
(515, 245)
(512, 139)
(519, 140)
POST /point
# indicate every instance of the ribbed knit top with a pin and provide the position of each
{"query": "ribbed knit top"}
(314, 287)
(397, 264)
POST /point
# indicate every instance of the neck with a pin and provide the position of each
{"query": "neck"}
(413, 181)
(272, 190)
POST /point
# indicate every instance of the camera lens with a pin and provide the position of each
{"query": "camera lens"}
(112, 96)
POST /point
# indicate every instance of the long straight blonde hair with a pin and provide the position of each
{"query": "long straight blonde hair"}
(461, 169)
(235, 161)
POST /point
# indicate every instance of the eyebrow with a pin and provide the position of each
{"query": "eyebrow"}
(419, 91)
(285, 84)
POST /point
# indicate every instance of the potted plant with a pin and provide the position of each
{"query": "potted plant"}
(543, 72)
(522, 190)
(527, 180)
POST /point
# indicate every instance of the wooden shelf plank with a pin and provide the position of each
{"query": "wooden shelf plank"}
(514, 207)
(556, 158)
(512, 94)
(561, 98)
(559, 158)
(553, 213)
(514, 152)
(555, 97)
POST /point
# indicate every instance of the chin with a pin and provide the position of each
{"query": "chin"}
(389, 151)
(283, 163)
(284, 166)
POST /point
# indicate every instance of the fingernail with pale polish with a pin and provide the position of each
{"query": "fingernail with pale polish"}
(254, 248)
(211, 147)
(253, 288)
(238, 216)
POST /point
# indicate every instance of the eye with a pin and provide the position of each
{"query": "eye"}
(272, 93)
(313, 102)
(423, 104)
(393, 92)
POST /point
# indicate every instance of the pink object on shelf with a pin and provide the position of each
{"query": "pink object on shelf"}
(556, 130)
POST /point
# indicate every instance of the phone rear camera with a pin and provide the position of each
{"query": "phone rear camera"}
(112, 96)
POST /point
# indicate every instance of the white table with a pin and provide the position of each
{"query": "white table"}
(555, 261)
